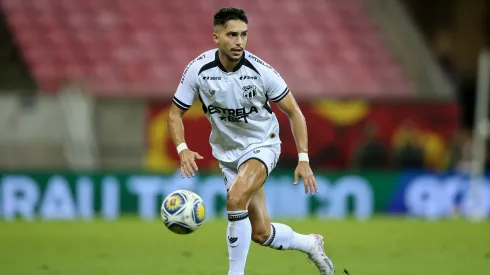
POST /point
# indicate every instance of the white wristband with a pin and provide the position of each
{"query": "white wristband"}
(181, 147)
(303, 157)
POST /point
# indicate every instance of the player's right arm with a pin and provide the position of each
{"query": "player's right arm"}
(182, 101)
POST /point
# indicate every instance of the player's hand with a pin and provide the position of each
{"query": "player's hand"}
(303, 170)
(188, 164)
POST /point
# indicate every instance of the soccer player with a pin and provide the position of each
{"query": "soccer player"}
(234, 88)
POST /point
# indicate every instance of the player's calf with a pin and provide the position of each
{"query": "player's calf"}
(274, 235)
(260, 233)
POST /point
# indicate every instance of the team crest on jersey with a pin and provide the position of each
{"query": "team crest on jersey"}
(249, 91)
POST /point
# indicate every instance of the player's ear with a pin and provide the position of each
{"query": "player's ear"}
(216, 32)
(215, 37)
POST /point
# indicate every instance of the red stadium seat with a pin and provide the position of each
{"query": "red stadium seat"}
(321, 47)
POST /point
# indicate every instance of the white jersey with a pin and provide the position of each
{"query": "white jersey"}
(236, 103)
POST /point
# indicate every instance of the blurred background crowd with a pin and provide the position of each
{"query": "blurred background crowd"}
(383, 84)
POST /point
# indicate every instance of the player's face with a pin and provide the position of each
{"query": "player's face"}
(232, 39)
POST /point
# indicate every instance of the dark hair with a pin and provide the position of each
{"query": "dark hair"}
(226, 14)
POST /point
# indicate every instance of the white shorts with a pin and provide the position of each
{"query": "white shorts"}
(268, 155)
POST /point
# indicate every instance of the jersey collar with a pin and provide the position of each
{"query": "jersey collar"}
(237, 67)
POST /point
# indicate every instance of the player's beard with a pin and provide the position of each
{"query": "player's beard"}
(231, 58)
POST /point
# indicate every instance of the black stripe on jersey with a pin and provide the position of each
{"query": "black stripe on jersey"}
(267, 107)
(208, 66)
(281, 96)
(204, 108)
(248, 64)
(181, 104)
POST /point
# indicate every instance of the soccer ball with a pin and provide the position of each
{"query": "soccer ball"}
(182, 212)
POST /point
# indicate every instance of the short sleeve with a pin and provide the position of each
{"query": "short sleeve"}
(276, 87)
(187, 89)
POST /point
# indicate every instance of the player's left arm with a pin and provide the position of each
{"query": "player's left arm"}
(278, 92)
(289, 106)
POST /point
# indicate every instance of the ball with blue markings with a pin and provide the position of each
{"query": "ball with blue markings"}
(183, 212)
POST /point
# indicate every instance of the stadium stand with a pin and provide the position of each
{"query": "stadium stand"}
(125, 47)
(13, 70)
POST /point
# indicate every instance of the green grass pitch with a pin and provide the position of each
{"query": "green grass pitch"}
(381, 246)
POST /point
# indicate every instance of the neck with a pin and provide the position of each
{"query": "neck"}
(226, 62)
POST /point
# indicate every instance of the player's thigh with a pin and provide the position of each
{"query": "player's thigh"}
(253, 169)
(249, 179)
(259, 217)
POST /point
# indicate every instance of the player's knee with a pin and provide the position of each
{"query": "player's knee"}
(260, 234)
(235, 201)
(238, 197)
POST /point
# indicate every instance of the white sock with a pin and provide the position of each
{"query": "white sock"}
(238, 237)
(284, 238)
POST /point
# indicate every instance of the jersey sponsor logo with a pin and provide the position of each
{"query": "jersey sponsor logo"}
(249, 91)
(258, 60)
(211, 77)
(245, 77)
(186, 70)
(188, 66)
(232, 115)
